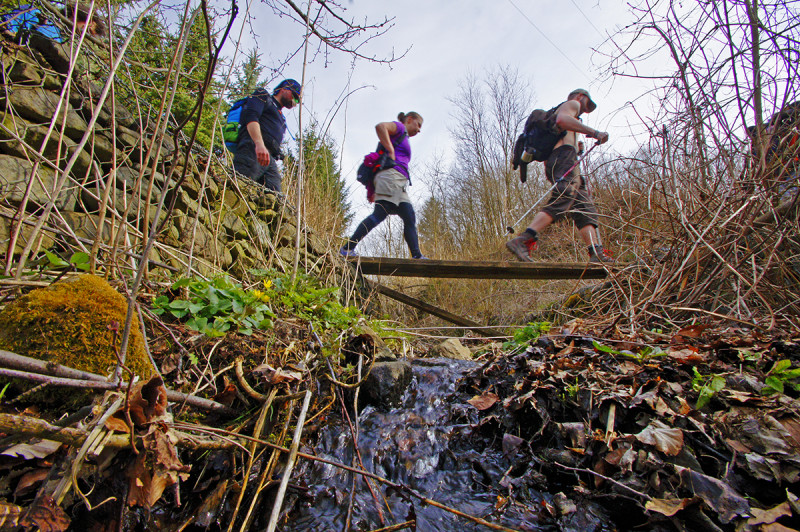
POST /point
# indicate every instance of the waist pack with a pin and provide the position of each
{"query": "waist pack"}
(538, 138)
(375, 162)
(230, 131)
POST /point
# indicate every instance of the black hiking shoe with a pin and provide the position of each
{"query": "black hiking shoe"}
(599, 254)
(522, 246)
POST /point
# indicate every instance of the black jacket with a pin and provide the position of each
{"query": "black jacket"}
(263, 108)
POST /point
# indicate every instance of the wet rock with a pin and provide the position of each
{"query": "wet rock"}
(386, 383)
(452, 348)
(366, 341)
(563, 504)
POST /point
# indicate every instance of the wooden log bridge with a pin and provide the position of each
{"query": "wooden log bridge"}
(455, 269)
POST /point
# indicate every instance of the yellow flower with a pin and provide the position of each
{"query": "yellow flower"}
(267, 284)
(261, 296)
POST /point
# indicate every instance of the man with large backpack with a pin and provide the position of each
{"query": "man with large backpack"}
(261, 130)
(570, 194)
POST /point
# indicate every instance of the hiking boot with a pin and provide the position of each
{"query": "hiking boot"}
(599, 254)
(522, 246)
(348, 253)
(421, 257)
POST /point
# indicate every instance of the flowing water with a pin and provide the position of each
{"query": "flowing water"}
(421, 445)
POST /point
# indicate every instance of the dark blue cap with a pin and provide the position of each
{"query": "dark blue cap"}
(290, 84)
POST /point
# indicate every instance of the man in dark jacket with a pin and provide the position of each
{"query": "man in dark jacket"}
(261, 133)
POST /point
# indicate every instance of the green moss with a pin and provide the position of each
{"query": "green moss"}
(68, 323)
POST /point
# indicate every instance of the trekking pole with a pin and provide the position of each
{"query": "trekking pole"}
(510, 228)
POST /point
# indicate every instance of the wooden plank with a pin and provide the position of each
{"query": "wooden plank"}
(457, 269)
(436, 311)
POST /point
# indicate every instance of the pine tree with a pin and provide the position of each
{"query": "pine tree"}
(248, 76)
(327, 207)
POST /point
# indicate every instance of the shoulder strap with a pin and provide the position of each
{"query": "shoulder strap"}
(400, 138)
(395, 142)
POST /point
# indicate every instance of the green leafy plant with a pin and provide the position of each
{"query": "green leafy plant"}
(707, 386)
(573, 389)
(215, 306)
(306, 298)
(647, 352)
(530, 332)
(781, 375)
(78, 261)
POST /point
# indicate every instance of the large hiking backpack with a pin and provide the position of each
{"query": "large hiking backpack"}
(538, 138)
(230, 132)
(373, 163)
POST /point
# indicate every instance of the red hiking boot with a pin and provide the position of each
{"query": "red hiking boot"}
(522, 246)
(599, 254)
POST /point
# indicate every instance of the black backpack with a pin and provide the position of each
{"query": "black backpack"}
(376, 161)
(538, 138)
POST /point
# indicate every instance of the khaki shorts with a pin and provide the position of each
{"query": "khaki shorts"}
(570, 196)
(391, 186)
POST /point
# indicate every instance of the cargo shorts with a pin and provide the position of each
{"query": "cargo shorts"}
(570, 196)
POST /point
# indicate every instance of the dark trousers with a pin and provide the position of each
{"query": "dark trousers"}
(246, 163)
(383, 209)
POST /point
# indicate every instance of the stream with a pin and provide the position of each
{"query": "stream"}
(423, 445)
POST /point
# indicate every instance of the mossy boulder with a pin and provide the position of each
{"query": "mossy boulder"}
(68, 323)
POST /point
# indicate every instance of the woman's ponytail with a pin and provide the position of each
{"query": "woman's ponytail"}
(411, 114)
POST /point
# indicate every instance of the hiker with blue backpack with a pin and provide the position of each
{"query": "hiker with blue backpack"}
(391, 183)
(552, 137)
(260, 132)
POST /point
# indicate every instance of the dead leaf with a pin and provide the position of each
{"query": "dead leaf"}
(117, 424)
(792, 426)
(29, 451)
(667, 440)
(228, 393)
(272, 376)
(511, 443)
(160, 443)
(793, 501)
(685, 406)
(668, 507)
(30, 481)
(770, 515)
(686, 356)
(148, 401)
(716, 494)
(485, 401)
(10, 515)
(208, 511)
(47, 515)
(740, 397)
(138, 482)
(692, 331)
(777, 527)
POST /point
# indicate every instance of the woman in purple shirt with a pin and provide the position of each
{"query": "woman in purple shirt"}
(391, 185)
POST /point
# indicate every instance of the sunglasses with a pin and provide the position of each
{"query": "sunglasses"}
(295, 97)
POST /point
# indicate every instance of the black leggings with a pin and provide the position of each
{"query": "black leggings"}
(383, 209)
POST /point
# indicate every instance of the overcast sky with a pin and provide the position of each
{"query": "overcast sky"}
(550, 42)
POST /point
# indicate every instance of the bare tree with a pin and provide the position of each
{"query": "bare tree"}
(717, 202)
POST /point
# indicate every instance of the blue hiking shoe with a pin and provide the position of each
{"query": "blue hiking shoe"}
(348, 253)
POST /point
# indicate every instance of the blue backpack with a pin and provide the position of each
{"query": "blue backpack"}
(230, 131)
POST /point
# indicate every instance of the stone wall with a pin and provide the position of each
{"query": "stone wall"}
(217, 222)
